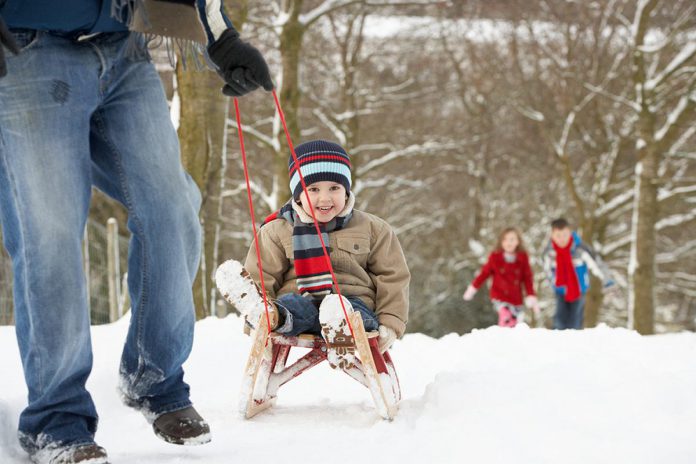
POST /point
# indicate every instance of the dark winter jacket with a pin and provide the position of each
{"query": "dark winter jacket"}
(584, 260)
(182, 19)
(508, 278)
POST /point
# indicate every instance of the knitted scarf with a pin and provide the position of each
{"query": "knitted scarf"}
(565, 271)
(311, 268)
(174, 22)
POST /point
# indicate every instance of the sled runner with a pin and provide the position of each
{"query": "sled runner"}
(267, 370)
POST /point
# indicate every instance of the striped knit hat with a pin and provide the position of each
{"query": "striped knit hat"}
(319, 161)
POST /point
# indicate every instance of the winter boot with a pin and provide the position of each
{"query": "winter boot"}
(87, 454)
(506, 318)
(182, 427)
(340, 343)
(240, 290)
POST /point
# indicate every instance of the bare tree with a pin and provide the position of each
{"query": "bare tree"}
(664, 104)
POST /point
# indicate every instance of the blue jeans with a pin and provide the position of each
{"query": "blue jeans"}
(302, 315)
(569, 315)
(73, 115)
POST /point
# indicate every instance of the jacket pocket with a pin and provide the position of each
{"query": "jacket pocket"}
(287, 246)
(352, 250)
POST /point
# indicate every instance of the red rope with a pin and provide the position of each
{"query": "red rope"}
(251, 209)
(311, 208)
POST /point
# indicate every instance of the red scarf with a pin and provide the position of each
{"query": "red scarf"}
(565, 271)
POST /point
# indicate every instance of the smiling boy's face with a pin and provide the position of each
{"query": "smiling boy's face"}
(328, 199)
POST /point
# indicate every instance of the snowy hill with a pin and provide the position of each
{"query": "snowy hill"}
(493, 396)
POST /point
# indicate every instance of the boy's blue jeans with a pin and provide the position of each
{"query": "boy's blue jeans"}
(302, 315)
(569, 315)
(73, 115)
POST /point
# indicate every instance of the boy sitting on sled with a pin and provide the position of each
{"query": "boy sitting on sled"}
(366, 256)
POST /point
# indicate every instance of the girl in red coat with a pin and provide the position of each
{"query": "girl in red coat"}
(509, 266)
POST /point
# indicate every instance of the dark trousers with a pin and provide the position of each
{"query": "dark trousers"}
(301, 315)
(569, 314)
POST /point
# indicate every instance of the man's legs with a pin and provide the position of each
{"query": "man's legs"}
(136, 159)
(45, 183)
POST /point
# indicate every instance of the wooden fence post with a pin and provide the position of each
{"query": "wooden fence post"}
(114, 272)
(85, 263)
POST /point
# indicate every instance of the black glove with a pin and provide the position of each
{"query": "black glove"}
(240, 65)
(7, 40)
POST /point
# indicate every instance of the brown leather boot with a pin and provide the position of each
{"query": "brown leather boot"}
(88, 453)
(182, 427)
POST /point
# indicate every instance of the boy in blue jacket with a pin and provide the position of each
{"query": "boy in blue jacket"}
(567, 261)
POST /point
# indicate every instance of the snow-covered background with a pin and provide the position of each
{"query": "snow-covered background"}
(493, 396)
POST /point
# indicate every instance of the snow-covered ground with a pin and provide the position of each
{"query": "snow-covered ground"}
(493, 396)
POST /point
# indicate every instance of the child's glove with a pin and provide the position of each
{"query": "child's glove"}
(532, 302)
(7, 40)
(240, 65)
(469, 293)
(387, 337)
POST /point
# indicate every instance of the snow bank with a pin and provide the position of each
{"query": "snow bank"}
(493, 396)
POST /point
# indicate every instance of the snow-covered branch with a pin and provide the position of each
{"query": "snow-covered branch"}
(688, 279)
(640, 22)
(675, 220)
(676, 119)
(612, 247)
(267, 198)
(686, 54)
(337, 132)
(530, 113)
(617, 98)
(270, 142)
(412, 150)
(324, 8)
(677, 253)
(666, 194)
(233, 192)
(616, 202)
(330, 6)
(388, 181)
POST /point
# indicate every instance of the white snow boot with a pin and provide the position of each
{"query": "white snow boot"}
(340, 343)
(239, 289)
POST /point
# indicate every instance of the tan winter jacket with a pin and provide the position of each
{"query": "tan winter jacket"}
(366, 257)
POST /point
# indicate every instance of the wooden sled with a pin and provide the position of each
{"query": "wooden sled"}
(267, 370)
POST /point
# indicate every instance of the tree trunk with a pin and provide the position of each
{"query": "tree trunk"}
(641, 264)
(202, 122)
(593, 302)
(594, 230)
(290, 50)
(641, 267)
